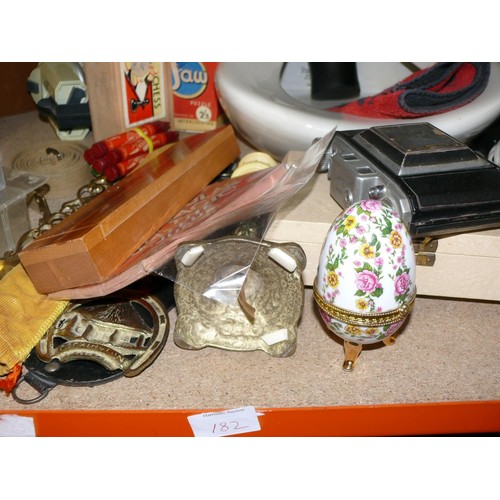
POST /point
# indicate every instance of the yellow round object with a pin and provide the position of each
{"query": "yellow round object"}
(259, 157)
(253, 162)
(248, 169)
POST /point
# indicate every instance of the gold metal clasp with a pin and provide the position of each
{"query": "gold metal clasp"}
(425, 251)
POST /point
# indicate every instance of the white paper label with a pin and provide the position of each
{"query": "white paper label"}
(16, 426)
(225, 423)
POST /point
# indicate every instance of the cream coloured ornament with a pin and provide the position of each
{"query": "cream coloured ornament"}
(365, 284)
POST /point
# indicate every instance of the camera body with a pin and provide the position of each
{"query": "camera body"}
(437, 184)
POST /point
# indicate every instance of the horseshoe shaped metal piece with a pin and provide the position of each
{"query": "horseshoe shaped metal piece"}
(120, 334)
(97, 341)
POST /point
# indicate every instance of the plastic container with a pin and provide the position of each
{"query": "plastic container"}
(15, 187)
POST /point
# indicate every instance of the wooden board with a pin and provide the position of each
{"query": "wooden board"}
(90, 245)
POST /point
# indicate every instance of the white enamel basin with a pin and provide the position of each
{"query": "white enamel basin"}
(268, 104)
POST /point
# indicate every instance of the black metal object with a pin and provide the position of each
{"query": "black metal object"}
(334, 80)
(43, 377)
(437, 184)
(72, 115)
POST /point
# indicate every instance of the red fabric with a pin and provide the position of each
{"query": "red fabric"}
(434, 90)
(8, 382)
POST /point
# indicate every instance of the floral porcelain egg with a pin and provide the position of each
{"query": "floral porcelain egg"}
(365, 286)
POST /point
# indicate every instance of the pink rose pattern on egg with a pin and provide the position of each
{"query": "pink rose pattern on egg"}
(367, 266)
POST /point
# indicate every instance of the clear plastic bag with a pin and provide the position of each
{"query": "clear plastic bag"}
(219, 205)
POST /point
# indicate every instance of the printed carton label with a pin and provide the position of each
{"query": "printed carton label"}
(143, 91)
(195, 104)
(189, 79)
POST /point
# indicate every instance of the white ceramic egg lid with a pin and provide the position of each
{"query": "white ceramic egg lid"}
(366, 270)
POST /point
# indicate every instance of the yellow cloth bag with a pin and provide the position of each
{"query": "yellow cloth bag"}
(25, 316)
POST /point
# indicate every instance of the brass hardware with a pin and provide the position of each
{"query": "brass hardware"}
(351, 354)
(125, 332)
(425, 251)
(53, 151)
(364, 319)
(49, 219)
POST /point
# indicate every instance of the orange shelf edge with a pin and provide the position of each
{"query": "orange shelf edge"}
(441, 418)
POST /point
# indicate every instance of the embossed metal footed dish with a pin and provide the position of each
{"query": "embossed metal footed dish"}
(239, 294)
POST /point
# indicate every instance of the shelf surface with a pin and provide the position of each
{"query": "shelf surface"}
(443, 367)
